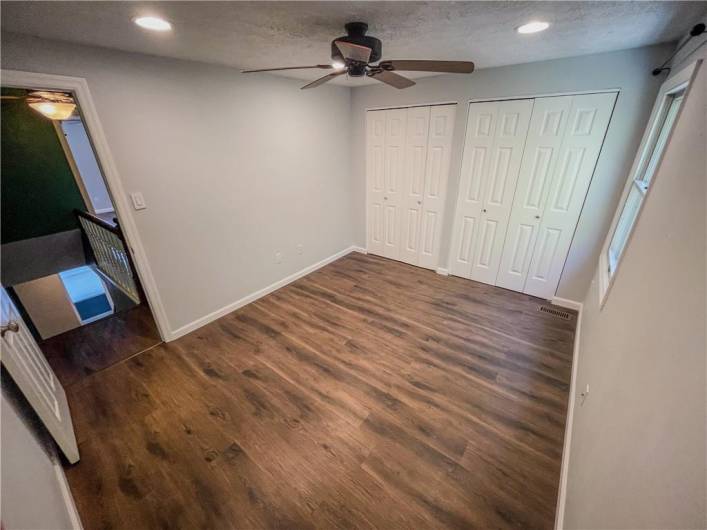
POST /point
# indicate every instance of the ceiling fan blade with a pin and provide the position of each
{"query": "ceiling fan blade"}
(449, 67)
(13, 97)
(392, 79)
(321, 66)
(355, 52)
(323, 80)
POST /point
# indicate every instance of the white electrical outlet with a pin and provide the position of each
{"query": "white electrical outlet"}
(278, 257)
(583, 395)
(300, 248)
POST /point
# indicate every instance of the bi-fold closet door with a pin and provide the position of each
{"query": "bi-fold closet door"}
(523, 244)
(407, 156)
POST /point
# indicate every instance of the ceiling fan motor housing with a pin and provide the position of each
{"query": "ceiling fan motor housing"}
(357, 35)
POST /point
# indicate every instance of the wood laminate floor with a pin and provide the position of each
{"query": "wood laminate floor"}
(83, 351)
(369, 394)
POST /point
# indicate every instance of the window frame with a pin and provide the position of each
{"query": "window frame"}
(677, 85)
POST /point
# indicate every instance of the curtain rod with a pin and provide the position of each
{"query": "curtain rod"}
(697, 29)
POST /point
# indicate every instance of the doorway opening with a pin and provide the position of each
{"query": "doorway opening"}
(66, 263)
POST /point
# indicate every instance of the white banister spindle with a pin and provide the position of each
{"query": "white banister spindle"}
(111, 256)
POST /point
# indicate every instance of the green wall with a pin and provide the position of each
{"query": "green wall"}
(38, 189)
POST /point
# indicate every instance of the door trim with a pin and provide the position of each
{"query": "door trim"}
(546, 95)
(79, 87)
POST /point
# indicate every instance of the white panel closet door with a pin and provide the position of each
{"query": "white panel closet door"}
(375, 176)
(542, 147)
(586, 127)
(418, 121)
(439, 153)
(393, 172)
(493, 150)
(478, 143)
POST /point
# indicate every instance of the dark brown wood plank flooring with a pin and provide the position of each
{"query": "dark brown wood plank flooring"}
(369, 394)
(84, 351)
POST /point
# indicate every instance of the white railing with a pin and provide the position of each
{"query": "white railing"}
(111, 256)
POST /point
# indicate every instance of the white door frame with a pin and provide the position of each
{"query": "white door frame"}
(79, 87)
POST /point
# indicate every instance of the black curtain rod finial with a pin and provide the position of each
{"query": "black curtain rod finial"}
(697, 29)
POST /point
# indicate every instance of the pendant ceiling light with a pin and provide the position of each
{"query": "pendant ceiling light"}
(53, 105)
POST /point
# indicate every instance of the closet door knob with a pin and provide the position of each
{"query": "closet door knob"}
(537, 217)
(483, 211)
(385, 198)
(419, 202)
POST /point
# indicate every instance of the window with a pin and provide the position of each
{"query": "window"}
(643, 177)
(655, 140)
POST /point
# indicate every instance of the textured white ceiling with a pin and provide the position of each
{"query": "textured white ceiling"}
(269, 34)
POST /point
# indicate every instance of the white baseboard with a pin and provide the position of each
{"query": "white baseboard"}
(567, 303)
(104, 210)
(564, 470)
(359, 249)
(196, 324)
(442, 271)
(66, 494)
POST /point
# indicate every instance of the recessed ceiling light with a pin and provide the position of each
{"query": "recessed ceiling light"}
(533, 27)
(153, 23)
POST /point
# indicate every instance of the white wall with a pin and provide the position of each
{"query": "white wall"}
(637, 457)
(233, 167)
(33, 489)
(85, 159)
(627, 70)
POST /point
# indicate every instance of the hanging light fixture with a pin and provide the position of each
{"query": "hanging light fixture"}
(53, 105)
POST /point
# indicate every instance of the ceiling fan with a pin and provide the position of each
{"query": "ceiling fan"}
(53, 105)
(353, 54)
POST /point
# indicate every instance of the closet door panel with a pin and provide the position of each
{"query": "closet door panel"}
(393, 177)
(478, 144)
(375, 178)
(439, 152)
(586, 127)
(512, 121)
(542, 147)
(418, 120)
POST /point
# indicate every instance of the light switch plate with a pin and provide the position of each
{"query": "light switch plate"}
(138, 201)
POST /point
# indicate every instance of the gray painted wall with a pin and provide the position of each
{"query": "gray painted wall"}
(627, 70)
(637, 458)
(233, 167)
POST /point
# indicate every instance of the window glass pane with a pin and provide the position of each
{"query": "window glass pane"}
(642, 181)
(670, 116)
(624, 226)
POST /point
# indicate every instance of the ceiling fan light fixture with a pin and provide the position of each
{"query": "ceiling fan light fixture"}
(338, 65)
(52, 105)
(153, 23)
(533, 27)
(54, 111)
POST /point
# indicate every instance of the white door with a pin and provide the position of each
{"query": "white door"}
(493, 150)
(28, 368)
(586, 127)
(418, 121)
(393, 172)
(542, 148)
(375, 177)
(408, 153)
(439, 154)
